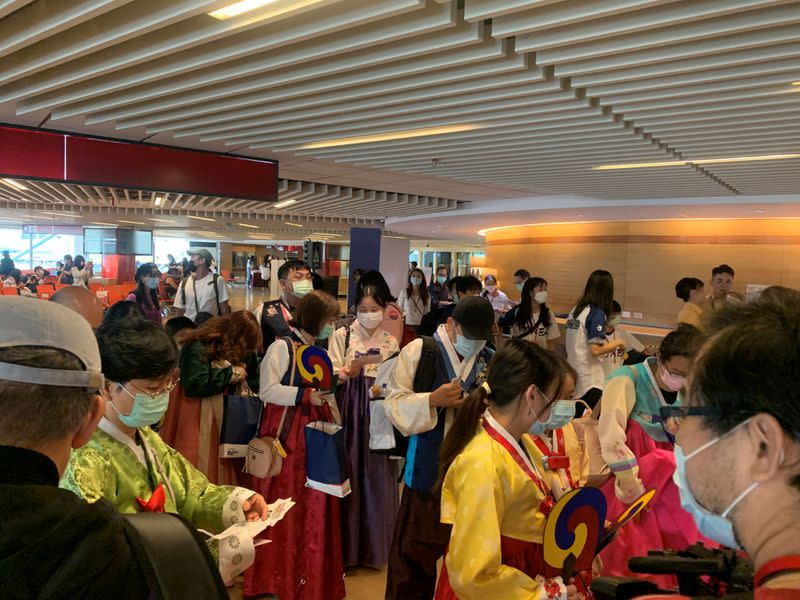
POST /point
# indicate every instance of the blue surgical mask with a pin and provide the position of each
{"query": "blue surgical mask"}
(302, 288)
(146, 409)
(561, 413)
(441, 279)
(718, 528)
(519, 286)
(416, 281)
(326, 332)
(467, 347)
(151, 282)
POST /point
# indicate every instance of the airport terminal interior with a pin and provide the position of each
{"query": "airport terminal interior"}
(285, 196)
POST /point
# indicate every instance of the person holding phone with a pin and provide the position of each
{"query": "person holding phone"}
(369, 511)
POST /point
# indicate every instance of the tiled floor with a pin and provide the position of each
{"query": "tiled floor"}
(361, 584)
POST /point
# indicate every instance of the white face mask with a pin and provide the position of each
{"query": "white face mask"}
(491, 288)
(369, 320)
(540, 297)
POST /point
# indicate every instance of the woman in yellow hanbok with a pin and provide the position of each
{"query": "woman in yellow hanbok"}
(493, 494)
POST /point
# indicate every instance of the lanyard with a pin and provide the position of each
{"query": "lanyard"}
(779, 566)
(548, 501)
(555, 460)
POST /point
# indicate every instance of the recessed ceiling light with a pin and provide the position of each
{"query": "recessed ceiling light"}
(247, 225)
(700, 161)
(201, 218)
(14, 184)
(391, 135)
(284, 203)
(158, 200)
(292, 224)
(131, 222)
(162, 220)
(237, 8)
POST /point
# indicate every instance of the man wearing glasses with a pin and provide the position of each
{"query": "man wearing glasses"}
(737, 447)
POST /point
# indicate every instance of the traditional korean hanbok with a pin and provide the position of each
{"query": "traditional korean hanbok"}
(304, 559)
(639, 449)
(193, 420)
(368, 513)
(564, 464)
(147, 475)
(496, 499)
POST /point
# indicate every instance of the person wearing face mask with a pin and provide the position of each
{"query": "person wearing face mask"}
(558, 449)
(460, 287)
(431, 375)
(202, 291)
(439, 290)
(304, 559)
(632, 352)
(145, 295)
(520, 277)
(369, 511)
(737, 445)
(216, 358)
(500, 302)
(129, 465)
(414, 300)
(533, 320)
(294, 277)
(637, 446)
(494, 492)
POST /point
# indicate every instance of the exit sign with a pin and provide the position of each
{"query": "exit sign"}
(30, 229)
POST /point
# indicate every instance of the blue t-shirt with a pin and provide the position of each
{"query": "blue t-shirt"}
(596, 326)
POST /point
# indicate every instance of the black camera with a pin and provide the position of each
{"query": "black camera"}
(701, 573)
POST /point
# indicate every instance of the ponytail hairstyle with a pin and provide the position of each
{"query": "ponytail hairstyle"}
(525, 311)
(516, 366)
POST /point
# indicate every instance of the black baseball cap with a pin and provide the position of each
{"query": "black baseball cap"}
(475, 315)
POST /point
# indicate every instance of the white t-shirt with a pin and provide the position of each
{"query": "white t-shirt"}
(206, 297)
(413, 307)
(543, 332)
(582, 330)
(614, 359)
(500, 302)
(80, 277)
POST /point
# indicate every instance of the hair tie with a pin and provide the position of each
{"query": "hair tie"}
(485, 386)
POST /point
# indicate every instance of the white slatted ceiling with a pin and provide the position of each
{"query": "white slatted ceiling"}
(314, 202)
(557, 86)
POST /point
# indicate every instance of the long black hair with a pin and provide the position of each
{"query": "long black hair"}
(599, 292)
(525, 311)
(423, 287)
(379, 289)
(142, 291)
(517, 365)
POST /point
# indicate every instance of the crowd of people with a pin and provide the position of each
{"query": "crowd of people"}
(492, 420)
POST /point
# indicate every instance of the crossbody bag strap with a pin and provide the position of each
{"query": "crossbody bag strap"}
(283, 429)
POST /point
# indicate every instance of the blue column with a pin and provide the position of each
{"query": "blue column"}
(365, 253)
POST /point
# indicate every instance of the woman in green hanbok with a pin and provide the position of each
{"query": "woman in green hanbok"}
(128, 464)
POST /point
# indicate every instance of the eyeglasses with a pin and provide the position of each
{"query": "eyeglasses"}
(152, 395)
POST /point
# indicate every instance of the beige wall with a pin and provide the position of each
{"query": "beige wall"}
(646, 258)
